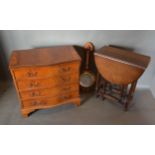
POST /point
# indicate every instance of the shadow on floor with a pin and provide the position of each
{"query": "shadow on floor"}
(92, 111)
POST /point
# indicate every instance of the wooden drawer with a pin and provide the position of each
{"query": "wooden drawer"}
(45, 77)
(49, 92)
(50, 101)
(45, 72)
(46, 83)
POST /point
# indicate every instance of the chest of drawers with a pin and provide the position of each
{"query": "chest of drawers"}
(46, 77)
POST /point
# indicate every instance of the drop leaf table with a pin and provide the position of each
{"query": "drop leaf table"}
(118, 73)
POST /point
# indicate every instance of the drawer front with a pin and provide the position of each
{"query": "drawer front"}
(46, 83)
(50, 92)
(45, 72)
(50, 101)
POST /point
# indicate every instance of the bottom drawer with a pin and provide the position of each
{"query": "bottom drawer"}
(50, 101)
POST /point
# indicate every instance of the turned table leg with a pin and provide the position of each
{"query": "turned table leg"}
(130, 95)
(123, 93)
(104, 89)
(97, 84)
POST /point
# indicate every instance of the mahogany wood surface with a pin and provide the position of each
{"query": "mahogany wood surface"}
(120, 66)
(44, 56)
(124, 56)
(87, 77)
(3, 76)
(118, 73)
(46, 77)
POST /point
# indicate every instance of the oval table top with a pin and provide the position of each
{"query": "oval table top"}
(120, 66)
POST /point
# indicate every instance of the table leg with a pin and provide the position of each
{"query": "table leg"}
(123, 93)
(97, 84)
(130, 94)
(104, 89)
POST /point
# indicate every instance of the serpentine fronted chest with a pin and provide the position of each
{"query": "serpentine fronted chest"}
(46, 77)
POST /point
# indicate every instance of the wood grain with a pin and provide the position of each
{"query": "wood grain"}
(43, 56)
(121, 68)
(46, 77)
(124, 56)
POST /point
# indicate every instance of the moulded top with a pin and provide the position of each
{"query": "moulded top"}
(124, 56)
(43, 56)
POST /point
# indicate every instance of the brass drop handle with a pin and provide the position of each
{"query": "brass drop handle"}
(66, 69)
(65, 79)
(34, 103)
(65, 89)
(35, 94)
(65, 97)
(34, 84)
(32, 74)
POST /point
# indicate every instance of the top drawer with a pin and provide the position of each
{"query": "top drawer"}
(45, 72)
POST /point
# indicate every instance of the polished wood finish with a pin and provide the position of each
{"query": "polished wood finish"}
(46, 77)
(44, 56)
(87, 77)
(39, 72)
(118, 73)
(3, 76)
(89, 47)
(123, 94)
(120, 66)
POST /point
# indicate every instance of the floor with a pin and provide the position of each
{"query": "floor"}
(92, 111)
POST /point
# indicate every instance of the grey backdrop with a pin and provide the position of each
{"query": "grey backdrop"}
(142, 41)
